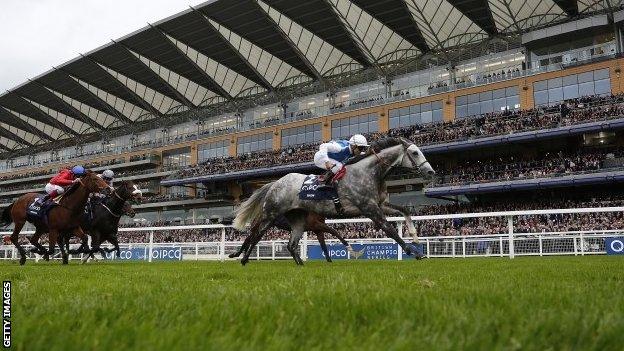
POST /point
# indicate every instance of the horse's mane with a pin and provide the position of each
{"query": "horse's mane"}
(71, 189)
(385, 143)
(376, 146)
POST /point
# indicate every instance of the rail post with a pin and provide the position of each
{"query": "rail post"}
(464, 247)
(222, 245)
(582, 243)
(400, 229)
(151, 246)
(541, 245)
(196, 251)
(273, 250)
(304, 247)
(512, 253)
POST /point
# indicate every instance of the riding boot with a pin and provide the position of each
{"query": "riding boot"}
(47, 197)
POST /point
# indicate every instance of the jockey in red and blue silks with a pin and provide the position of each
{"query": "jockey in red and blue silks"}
(56, 186)
(332, 155)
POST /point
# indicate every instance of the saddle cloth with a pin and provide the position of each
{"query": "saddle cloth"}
(310, 190)
(38, 211)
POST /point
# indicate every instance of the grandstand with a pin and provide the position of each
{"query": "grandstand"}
(516, 106)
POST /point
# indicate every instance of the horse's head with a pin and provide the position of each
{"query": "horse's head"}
(127, 190)
(93, 183)
(414, 159)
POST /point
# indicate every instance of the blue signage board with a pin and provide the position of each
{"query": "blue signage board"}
(614, 246)
(128, 254)
(167, 253)
(336, 252)
(387, 251)
(141, 254)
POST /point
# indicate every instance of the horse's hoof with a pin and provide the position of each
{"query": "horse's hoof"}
(232, 255)
(22, 260)
(46, 257)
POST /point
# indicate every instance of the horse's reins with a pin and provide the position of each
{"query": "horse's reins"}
(110, 211)
(379, 159)
(414, 163)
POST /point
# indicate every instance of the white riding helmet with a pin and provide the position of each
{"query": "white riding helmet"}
(108, 174)
(358, 140)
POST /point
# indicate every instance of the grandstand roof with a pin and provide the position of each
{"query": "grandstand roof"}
(226, 50)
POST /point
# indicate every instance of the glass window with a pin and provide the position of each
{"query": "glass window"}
(586, 77)
(511, 91)
(499, 104)
(602, 87)
(473, 98)
(554, 83)
(570, 80)
(586, 89)
(601, 74)
(555, 95)
(487, 106)
(407, 116)
(461, 111)
(570, 91)
(301, 135)
(573, 86)
(486, 96)
(437, 115)
(541, 85)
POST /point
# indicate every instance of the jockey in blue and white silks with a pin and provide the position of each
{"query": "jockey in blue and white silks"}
(332, 155)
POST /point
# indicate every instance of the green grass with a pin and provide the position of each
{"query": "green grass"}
(558, 303)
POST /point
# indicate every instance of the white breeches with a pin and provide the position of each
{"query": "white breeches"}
(320, 158)
(52, 187)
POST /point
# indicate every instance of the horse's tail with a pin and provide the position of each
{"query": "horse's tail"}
(251, 209)
(6, 216)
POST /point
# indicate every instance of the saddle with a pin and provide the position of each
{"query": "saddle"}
(312, 189)
(38, 211)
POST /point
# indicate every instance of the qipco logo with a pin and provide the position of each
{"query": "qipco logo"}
(617, 246)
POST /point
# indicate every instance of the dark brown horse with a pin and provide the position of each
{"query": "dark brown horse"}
(313, 223)
(65, 217)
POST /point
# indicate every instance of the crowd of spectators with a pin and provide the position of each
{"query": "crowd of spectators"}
(511, 168)
(51, 172)
(290, 155)
(166, 197)
(508, 122)
(357, 103)
(437, 87)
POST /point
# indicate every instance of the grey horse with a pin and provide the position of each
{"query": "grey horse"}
(362, 192)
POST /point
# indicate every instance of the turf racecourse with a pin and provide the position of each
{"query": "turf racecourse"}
(556, 303)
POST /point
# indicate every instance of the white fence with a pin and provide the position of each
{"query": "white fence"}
(509, 244)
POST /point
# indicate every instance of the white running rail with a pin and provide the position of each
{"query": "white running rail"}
(509, 244)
